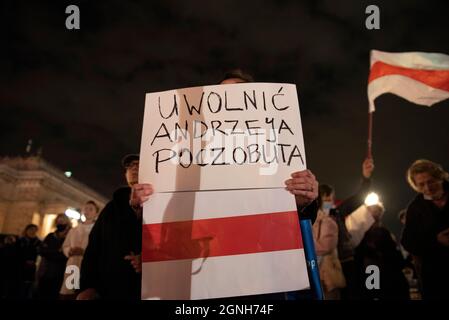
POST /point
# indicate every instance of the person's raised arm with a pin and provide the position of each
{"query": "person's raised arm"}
(356, 200)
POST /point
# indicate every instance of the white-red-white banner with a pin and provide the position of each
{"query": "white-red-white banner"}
(201, 245)
(419, 77)
(225, 230)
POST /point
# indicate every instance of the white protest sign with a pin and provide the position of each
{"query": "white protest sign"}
(237, 136)
(233, 230)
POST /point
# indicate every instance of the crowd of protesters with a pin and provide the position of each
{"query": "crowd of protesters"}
(349, 238)
(35, 269)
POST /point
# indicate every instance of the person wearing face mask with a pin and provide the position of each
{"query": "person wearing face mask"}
(327, 206)
(340, 213)
(75, 244)
(426, 231)
(325, 237)
(52, 267)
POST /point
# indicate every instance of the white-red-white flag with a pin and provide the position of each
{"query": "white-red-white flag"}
(419, 77)
(211, 244)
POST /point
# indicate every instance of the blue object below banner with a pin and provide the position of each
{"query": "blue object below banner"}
(311, 259)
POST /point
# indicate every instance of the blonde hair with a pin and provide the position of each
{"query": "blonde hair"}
(425, 166)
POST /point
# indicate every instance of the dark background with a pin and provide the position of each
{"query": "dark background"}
(80, 94)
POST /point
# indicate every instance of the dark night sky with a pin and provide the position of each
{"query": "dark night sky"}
(80, 94)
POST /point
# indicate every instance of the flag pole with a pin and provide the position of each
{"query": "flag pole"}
(370, 134)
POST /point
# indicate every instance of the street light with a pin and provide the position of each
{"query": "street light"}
(68, 174)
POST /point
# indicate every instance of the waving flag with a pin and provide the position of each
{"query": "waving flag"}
(419, 77)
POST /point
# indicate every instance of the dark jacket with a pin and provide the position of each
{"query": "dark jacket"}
(116, 233)
(52, 267)
(28, 253)
(379, 249)
(345, 247)
(309, 212)
(424, 220)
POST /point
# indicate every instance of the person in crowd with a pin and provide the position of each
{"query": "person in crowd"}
(111, 267)
(114, 245)
(340, 212)
(379, 248)
(28, 246)
(52, 266)
(426, 231)
(75, 244)
(325, 234)
(236, 76)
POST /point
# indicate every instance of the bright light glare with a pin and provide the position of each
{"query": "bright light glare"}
(71, 213)
(372, 199)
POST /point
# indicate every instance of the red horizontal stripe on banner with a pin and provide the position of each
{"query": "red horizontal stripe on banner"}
(221, 236)
(438, 79)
